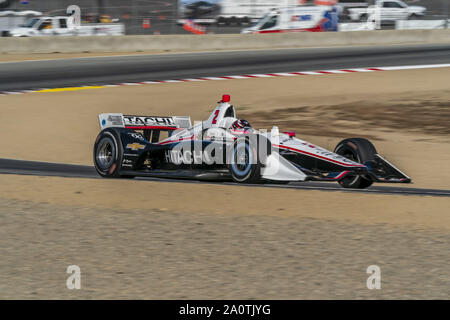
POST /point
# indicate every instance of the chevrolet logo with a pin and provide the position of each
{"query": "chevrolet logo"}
(135, 146)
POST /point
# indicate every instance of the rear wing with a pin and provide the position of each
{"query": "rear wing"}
(143, 122)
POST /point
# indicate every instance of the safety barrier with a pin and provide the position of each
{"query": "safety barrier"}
(211, 42)
(421, 24)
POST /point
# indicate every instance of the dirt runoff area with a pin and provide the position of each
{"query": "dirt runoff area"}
(167, 240)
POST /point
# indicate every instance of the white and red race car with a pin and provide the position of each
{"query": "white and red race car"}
(224, 148)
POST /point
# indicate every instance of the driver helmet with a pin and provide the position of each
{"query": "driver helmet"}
(241, 125)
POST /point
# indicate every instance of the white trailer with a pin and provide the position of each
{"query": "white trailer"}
(246, 11)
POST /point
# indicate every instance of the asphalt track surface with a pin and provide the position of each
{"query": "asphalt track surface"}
(23, 167)
(59, 73)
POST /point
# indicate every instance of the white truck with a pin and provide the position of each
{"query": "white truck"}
(388, 10)
(65, 26)
(14, 19)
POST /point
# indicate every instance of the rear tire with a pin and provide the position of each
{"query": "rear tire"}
(358, 150)
(108, 154)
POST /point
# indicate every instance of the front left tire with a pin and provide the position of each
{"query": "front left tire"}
(245, 159)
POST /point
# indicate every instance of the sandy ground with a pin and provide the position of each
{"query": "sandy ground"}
(417, 212)
(61, 127)
(156, 240)
(16, 57)
(135, 239)
(154, 254)
(53, 56)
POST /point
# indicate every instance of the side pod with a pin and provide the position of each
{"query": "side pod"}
(278, 168)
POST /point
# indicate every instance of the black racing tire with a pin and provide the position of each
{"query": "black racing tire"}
(248, 170)
(108, 154)
(244, 21)
(345, 15)
(221, 21)
(363, 17)
(359, 150)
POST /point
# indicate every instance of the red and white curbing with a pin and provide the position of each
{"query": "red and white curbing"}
(251, 76)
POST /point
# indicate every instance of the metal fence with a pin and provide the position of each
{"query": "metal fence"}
(165, 16)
